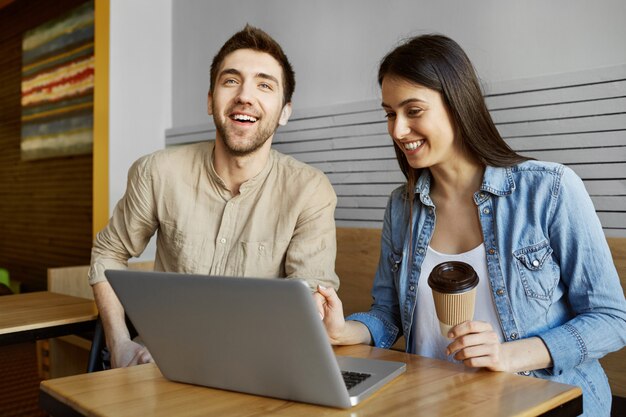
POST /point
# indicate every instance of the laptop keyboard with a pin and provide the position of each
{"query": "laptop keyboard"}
(352, 379)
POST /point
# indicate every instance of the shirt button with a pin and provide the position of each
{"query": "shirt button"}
(420, 251)
(430, 211)
(500, 291)
(535, 263)
(513, 335)
(526, 373)
(486, 211)
(492, 251)
(261, 248)
(481, 195)
(412, 288)
(223, 240)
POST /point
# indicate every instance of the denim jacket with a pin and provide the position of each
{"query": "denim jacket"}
(550, 270)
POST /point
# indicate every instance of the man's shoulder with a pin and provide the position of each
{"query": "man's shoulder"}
(288, 165)
(175, 157)
(182, 152)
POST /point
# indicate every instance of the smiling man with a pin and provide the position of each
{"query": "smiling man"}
(232, 206)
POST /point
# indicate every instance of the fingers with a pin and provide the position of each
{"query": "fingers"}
(330, 296)
(141, 356)
(476, 344)
(468, 327)
(319, 300)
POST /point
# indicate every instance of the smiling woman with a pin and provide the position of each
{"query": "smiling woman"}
(547, 307)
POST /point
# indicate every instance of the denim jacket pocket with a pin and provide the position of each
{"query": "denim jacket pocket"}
(537, 273)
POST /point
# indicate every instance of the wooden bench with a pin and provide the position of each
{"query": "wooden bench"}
(357, 259)
(68, 355)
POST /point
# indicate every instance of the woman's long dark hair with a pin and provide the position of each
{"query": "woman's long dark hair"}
(437, 62)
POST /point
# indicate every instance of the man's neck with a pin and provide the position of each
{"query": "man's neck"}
(235, 170)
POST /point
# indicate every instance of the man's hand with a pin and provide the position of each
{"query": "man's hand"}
(331, 312)
(129, 353)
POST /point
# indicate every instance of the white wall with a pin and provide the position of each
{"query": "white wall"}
(335, 45)
(140, 86)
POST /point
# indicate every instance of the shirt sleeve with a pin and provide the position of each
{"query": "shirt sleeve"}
(131, 226)
(383, 320)
(594, 291)
(313, 246)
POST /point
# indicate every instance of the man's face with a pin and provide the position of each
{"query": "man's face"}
(246, 101)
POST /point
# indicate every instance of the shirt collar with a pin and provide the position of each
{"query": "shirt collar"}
(498, 181)
(251, 184)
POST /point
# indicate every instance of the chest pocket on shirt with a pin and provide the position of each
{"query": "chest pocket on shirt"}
(538, 273)
(257, 259)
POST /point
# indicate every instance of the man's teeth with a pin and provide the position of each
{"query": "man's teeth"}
(244, 118)
(411, 146)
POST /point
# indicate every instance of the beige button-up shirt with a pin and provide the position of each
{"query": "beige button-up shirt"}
(280, 225)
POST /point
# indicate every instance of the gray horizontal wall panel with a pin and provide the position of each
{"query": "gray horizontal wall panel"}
(613, 220)
(606, 187)
(561, 111)
(570, 140)
(578, 119)
(548, 82)
(549, 127)
(600, 171)
(579, 156)
(345, 154)
(360, 214)
(610, 203)
(333, 120)
(358, 223)
(382, 177)
(366, 141)
(376, 128)
(571, 94)
(614, 232)
(387, 164)
(365, 189)
(362, 202)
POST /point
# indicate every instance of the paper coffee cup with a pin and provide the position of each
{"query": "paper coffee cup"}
(454, 293)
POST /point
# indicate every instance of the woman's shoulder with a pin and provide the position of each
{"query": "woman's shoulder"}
(534, 166)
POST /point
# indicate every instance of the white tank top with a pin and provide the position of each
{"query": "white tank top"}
(426, 335)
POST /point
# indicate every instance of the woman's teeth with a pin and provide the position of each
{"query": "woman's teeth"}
(411, 146)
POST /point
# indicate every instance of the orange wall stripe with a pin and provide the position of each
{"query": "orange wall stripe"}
(101, 118)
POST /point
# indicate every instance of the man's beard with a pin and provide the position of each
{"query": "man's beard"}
(242, 149)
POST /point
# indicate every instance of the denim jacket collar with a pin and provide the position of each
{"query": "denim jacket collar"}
(496, 180)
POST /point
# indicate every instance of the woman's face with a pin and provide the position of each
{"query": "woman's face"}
(418, 121)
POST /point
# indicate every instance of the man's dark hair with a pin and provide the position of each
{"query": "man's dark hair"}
(256, 39)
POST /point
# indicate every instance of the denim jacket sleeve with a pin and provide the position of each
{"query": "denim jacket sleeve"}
(594, 291)
(383, 319)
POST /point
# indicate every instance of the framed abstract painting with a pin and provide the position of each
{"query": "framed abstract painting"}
(57, 86)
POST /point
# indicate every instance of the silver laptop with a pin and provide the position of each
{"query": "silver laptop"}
(252, 335)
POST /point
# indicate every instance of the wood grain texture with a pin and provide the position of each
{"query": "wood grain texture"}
(20, 312)
(428, 388)
(614, 363)
(68, 355)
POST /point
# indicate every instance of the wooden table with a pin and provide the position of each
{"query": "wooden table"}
(428, 388)
(42, 315)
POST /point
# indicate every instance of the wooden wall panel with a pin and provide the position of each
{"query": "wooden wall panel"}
(45, 205)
